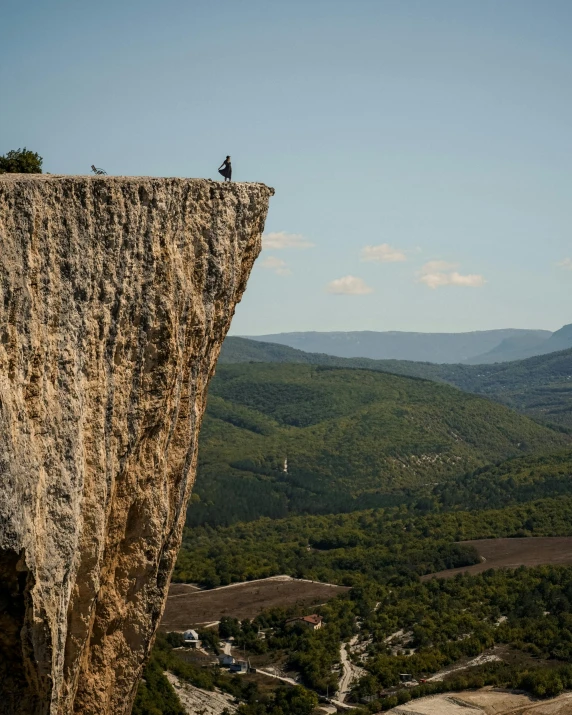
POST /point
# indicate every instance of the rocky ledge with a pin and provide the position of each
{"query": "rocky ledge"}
(115, 296)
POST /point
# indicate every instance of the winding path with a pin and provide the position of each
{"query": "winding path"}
(350, 672)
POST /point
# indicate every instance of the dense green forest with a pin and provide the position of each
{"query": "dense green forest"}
(540, 387)
(515, 481)
(353, 439)
(391, 543)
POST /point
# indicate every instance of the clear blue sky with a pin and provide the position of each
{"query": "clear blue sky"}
(441, 128)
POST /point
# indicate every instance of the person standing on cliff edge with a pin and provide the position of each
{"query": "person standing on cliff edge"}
(225, 169)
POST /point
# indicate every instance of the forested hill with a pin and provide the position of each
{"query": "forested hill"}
(516, 481)
(353, 439)
(540, 387)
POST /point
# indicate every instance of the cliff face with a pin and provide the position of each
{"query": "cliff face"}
(115, 297)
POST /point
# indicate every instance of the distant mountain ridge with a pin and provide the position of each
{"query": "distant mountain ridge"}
(479, 347)
(560, 340)
(517, 347)
(524, 346)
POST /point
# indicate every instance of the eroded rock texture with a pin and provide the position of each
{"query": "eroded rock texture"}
(115, 297)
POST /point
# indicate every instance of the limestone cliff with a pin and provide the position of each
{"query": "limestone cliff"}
(115, 297)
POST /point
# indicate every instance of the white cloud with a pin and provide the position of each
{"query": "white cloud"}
(566, 264)
(272, 263)
(349, 285)
(384, 253)
(281, 239)
(436, 274)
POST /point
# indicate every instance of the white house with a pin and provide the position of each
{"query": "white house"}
(239, 666)
(191, 639)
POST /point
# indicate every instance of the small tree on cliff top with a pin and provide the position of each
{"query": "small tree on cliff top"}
(21, 161)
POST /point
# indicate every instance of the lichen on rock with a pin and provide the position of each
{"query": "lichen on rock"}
(115, 296)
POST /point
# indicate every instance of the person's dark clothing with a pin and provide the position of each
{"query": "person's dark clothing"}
(226, 170)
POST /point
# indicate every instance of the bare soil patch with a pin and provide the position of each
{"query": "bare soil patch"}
(486, 702)
(511, 553)
(196, 700)
(242, 600)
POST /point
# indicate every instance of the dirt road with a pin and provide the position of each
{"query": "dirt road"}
(479, 660)
(283, 678)
(350, 672)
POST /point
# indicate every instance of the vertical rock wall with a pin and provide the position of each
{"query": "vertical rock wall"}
(115, 297)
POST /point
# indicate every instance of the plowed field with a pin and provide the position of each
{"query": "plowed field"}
(187, 607)
(511, 553)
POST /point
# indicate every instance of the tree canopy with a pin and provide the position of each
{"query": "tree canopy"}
(21, 161)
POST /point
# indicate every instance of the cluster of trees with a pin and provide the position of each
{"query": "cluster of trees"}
(21, 161)
(354, 439)
(515, 481)
(313, 654)
(441, 621)
(527, 608)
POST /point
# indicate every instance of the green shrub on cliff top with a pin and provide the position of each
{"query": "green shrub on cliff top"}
(21, 161)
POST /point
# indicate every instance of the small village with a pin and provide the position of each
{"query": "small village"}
(197, 651)
(228, 656)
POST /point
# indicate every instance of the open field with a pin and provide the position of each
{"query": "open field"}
(487, 702)
(511, 553)
(190, 607)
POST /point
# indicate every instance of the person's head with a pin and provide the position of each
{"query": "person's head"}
(228, 157)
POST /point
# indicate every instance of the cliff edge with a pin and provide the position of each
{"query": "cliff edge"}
(115, 296)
